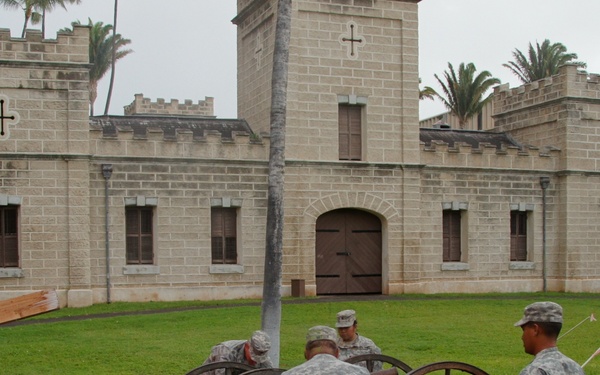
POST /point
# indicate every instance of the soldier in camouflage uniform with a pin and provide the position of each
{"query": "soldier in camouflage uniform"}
(541, 325)
(321, 352)
(253, 352)
(351, 343)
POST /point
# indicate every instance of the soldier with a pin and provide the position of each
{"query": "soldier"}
(351, 343)
(253, 352)
(321, 352)
(541, 325)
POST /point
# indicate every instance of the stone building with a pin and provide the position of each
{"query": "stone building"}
(172, 206)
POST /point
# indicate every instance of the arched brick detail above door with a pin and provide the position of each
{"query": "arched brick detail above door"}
(360, 200)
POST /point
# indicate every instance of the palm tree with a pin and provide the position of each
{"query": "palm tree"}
(113, 60)
(101, 48)
(51, 4)
(427, 92)
(465, 93)
(271, 302)
(542, 61)
(35, 10)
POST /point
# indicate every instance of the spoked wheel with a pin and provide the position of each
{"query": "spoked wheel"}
(447, 368)
(371, 358)
(264, 371)
(231, 368)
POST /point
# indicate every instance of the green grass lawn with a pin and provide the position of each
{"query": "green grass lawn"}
(416, 329)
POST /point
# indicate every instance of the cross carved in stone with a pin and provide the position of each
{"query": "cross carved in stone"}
(3, 116)
(352, 38)
(258, 50)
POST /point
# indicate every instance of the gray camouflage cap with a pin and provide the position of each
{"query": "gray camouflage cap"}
(541, 312)
(260, 343)
(345, 318)
(321, 333)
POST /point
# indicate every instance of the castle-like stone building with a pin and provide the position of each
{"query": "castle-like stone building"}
(169, 202)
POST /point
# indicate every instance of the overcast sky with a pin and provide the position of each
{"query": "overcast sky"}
(186, 49)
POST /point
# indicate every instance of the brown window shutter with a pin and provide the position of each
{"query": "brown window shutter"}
(224, 235)
(9, 243)
(518, 236)
(350, 132)
(451, 236)
(139, 233)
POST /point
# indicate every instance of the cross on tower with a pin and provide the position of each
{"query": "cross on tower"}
(2, 117)
(352, 39)
(258, 50)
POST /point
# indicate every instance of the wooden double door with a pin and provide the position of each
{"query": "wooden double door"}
(348, 253)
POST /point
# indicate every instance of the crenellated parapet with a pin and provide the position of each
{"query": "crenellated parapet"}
(144, 106)
(489, 156)
(145, 140)
(570, 82)
(562, 111)
(68, 47)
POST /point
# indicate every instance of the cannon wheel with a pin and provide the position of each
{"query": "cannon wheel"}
(231, 368)
(370, 358)
(447, 367)
(264, 371)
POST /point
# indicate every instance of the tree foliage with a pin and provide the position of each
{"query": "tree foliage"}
(465, 92)
(35, 10)
(541, 61)
(427, 92)
(100, 50)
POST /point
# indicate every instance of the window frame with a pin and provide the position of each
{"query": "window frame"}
(223, 228)
(143, 237)
(451, 236)
(519, 242)
(350, 132)
(13, 237)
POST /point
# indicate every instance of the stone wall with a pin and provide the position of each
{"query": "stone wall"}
(44, 154)
(324, 68)
(144, 106)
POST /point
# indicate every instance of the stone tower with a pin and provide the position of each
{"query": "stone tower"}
(356, 58)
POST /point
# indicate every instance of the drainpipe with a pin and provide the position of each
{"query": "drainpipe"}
(107, 172)
(544, 182)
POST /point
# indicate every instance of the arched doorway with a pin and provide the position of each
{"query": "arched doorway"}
(348, 252)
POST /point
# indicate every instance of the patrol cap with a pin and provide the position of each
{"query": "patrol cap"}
(541, 312)
(260, 343)
(321, 333)
(345, 318)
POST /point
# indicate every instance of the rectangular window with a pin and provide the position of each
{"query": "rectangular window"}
(451, 236)
(139, 231)
(224, 235)
(518, 236)
(350, 132)
(9, 239)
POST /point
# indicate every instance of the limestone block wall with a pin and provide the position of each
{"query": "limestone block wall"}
(44, 168)
(486, 184)
(561, 111)
(312, 189)
(185, 178)
(144, 106)
(255, 40)
(184, 192)
(380, 71)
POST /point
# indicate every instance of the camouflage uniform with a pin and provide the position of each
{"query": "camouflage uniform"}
(234, 351)
(360, 345)
(552, 362)
(549, 361)
(326, 364)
